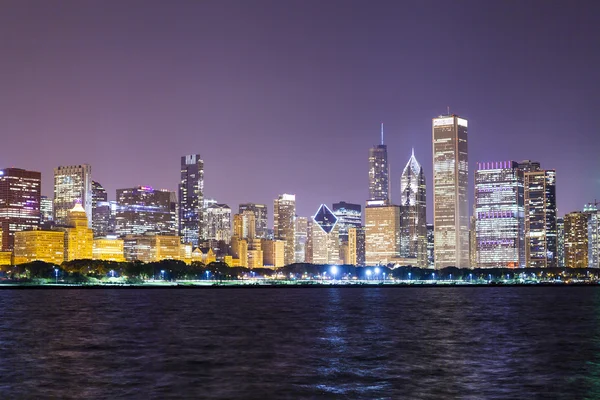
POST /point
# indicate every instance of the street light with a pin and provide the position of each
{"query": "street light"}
(162, 273)
(334, 270)
(368, 274)
(433, 276)
(207, 274)
(56, 275)
(471, 277)
(112, 273)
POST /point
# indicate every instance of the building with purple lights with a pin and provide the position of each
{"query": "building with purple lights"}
(143, 210)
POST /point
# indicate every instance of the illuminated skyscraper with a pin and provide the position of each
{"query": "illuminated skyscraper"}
(325, 237)
(72, 184)
(284, 211)
(191, 199)
(382, 233)
(430, 246)
(100, 210)
(301, 232)
(356, 246)
(143, 210)
(379, 184)
(499, 212)
(79, 238)
(218, 222)
(560, 239)
(46, 213)
(260, 216)
(450, 191)
(593, 235)
(244, 225)
(19, 203)
(541, 239)
(413, 225)
(576, 240)
(349, 215)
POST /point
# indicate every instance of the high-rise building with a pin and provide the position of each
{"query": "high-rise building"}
(260, 217)
(144, 210)
(191, 199)
(325, 237)
(46, 211)
(284, 212)
(450, 191)
(301, 232)
(79, 238)
(244, 225)
(576, 240)
(379, 173)
(430, 246)
(593, 235)
(541, 240)
(218, 222)
(413, 213)
(349, 216)
(560, 240)
(356, 246)
(100, 210)
(108, 249)
(47, 246)
(273, 253)
(72, 184)
(19, 203)
(499, 212)
(382, 233)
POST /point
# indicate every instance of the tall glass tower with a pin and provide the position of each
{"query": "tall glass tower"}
(72, 184)
(450, 191)
(191, 199)
(379, 186)
(413, 225)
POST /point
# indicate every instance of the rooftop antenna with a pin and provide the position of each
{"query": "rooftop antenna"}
(448, 110)
(382, 133)
(413, 151)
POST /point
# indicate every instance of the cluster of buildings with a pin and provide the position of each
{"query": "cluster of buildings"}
(513, 222)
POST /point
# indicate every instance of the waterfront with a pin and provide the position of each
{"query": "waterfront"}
(467, 342)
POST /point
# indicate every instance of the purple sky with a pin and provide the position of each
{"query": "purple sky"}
(287, 96)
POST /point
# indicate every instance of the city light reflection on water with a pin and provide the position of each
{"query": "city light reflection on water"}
(418, 343)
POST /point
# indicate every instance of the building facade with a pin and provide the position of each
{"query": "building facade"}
(218, 223)
(379, 173)
(356, 246)
(560, 242)
(301, 232)
(450, 191)
(142, 210)
(260, 217)
(382, 233)
(325, 237)
(79, 238)
(499, 215)
(284, 213)
(349, 216)
(576, 240)
(593, 235)
(101, 212)
(72, 184)
(413, 213)
(108, 249)
(47, 246)
(20, 201)
(191, 199)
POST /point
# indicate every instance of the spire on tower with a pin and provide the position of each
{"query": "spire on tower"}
(382, 133)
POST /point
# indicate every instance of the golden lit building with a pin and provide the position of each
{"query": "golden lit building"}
(197, 255)
(166, 247)
(185, 252)
(5, 258)
(244, 225)
(239, 250)
(150, 248)
(48, 246)
(284, 213)
(79, 238)
(382, 233)
(108, 250)
(356, 246)
(255, 259)
(209, 256)
(576, 240)
(325, 237)
(273, 253)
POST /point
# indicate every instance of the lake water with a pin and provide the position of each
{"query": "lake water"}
(339, 343)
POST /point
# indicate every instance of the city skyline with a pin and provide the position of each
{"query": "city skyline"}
(305, 107)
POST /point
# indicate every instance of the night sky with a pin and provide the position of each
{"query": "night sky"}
(287, 96)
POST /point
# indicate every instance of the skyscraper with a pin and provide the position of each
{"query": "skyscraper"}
(379, 184)
(593, 235)
(576, 240)
(46, 211)
(356, 246)
(499, 212)
(72, 184)
(19, 203)
(349, 216)
(325, 237)
(413, 215)
(260, 216)
(191, 199)
(450, 191)
(284, 211)
(430, 246)
(301, 232)
(560, 240)
(541, 236)
(144, 210)
(100, 210)
(79, 238)
(382, 233)
(218, 222)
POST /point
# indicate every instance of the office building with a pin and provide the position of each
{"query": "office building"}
(576, 240)
(430, 246)
(301, 233)
(108, 249)
(79, 238)
(541, 239)
(142, 210)
(379, 173)
(46, 211)
(413, 213)
(348, 216)
(47, 246)
(450, 191)
(325, 237)
(593, 235)
(356, 246)
(244, 225)
(218, 222)
(19, 203)
(101, 212)
(191, 199)
(284, 212)
(72, 184)
(151, 248)
(273, 253)
(560, 242)
(260, 217)
(382, 233)
(499, 213)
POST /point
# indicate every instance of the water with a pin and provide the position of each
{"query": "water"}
(339, 343)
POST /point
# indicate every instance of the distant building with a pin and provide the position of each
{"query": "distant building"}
(382, 233)
(244, 225)
(46, 211)
(47, 246)
(413, 213)
(560, 238)
(101, 212)
(284, 212)
(143, 209)
(273, 253)
(260, 217)
(325, 237)
(108, 249)
(356, 246)
(499, 212)
(72, 184)
(349, 216)
(430, 246)
(79, 238)
(19, 203)
(593, 235)
(301, 232)
(218, 222)
(191, 199)
(379, 184)
(576, 240)
(150, 248)
(450, 191)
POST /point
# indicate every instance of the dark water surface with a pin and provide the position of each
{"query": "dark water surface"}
(364, 343)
